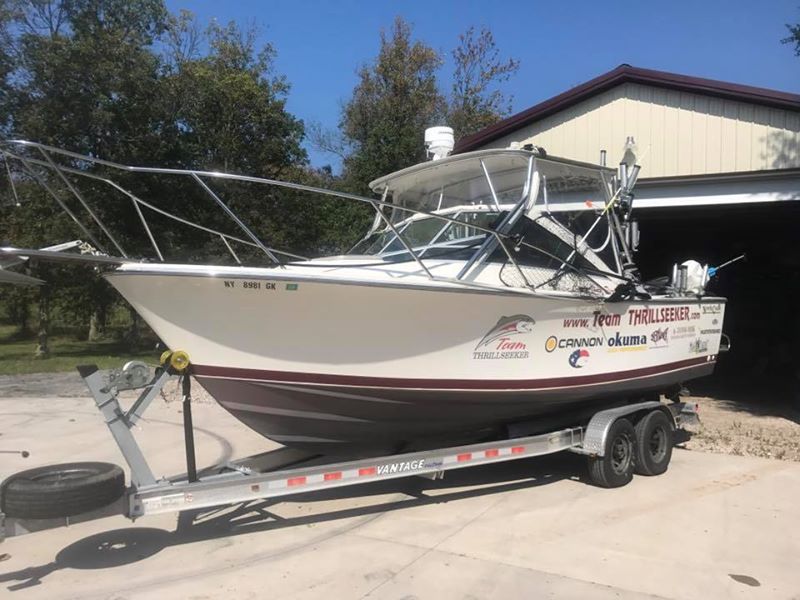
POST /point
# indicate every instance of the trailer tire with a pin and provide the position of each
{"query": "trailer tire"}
(615, 468)
(61, 490)
(654, 440)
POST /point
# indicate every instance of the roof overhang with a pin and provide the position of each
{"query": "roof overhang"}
(628, 74)
(725, 189)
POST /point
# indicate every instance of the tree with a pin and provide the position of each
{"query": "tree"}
(86, 72)
(90, 78)
(226, 111)
(395, 99)
(793, 38)
(228, 107)
(473, 103)
(6, 63)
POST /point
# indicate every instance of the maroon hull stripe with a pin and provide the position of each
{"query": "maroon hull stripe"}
(441, 384)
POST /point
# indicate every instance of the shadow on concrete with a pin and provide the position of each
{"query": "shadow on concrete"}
(119, 547)
(759, 396)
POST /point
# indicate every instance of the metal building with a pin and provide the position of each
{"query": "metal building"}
(720, 176)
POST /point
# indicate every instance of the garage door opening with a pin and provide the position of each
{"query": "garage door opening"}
(763, 313)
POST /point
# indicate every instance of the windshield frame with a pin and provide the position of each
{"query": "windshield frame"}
(532, 193)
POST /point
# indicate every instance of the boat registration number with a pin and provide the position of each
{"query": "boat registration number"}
(257, 285)
(251, 285)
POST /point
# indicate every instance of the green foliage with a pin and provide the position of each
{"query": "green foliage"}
(793, 37)
(395, 100)
(125, 80)
(228, 109)
(86, 83)
(66, 351)
(6, 62)
(398, 96)
(474, 103)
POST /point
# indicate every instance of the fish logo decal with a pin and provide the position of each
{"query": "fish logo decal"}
(660, 335)
(507, 326)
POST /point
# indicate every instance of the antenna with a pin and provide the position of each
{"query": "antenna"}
(439, 142)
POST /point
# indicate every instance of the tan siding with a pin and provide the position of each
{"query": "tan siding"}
(604, 115)
(677, 133)
(644, 119)
(729, 115)
(699, 124)
(744, 138)
(670, 140)
(713, 149)
(655, 159)
(758, 139)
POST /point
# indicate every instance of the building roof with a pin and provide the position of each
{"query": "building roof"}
(628, 74)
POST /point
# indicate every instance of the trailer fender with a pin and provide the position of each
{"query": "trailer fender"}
(594, 441)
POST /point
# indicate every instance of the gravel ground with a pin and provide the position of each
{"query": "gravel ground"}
(745, 429)
(56, 385)
(761, 424)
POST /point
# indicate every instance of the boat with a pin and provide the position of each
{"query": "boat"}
(494, 288)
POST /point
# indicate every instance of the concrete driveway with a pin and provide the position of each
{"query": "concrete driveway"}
(713, 526)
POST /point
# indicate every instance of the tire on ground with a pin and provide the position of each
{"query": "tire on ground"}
(655, 437)
(615, 468)
(63, 490)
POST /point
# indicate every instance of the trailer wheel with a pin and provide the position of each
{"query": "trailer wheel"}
(615, 468)
(654, 440)
(61, 490)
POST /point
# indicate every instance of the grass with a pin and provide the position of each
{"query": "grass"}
(66, 352)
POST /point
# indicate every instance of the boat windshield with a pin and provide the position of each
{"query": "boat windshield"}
(552, 205)
(438, 186)
(429, 236)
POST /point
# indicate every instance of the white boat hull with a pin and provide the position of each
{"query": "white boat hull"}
(342, 366)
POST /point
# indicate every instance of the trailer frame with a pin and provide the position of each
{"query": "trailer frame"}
(287, 471)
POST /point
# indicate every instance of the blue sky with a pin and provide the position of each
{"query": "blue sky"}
(320, 44)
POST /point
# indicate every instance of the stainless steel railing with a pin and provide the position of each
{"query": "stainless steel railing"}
(18, 152)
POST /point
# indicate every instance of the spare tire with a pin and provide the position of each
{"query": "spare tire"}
(61, 490)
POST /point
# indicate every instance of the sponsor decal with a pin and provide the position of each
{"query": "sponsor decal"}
(552, 343)
(577, 323)
(684, 331)
(598, 319)
(500, 342)
(659, 338)
(627, 343)
(698, 346)
(661, 314)
(711, 309)
(579, 358)
(710, 331)
(291, 287)
(401, 467)
(601, 320)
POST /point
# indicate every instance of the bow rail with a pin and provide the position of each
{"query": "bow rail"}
(18, 153)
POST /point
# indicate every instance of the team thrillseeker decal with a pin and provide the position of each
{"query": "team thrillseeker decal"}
(502, 341)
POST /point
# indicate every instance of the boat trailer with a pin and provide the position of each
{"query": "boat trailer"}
(617, 441)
